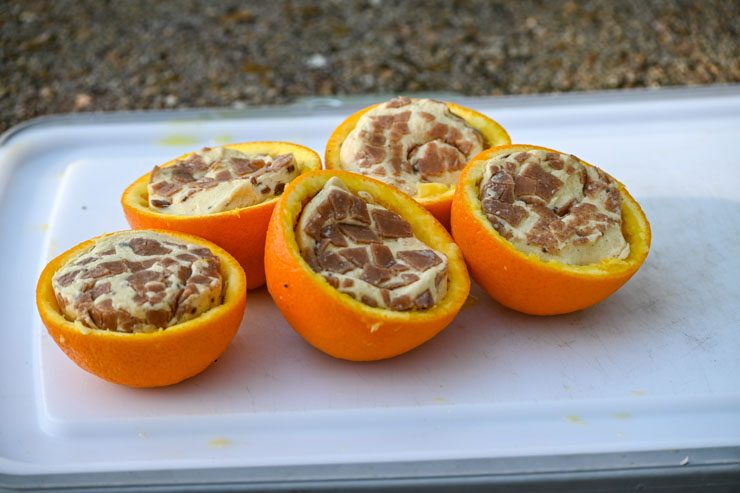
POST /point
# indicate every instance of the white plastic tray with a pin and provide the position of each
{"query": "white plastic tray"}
(656, 367)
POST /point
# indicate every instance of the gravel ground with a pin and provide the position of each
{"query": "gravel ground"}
(60, 56)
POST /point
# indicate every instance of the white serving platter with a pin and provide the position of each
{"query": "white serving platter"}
(648, 380)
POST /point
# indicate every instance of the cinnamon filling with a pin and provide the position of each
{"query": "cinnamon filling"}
(411, 144)
(217, 180)
(138, 281)
(553, 206)
(369, 252)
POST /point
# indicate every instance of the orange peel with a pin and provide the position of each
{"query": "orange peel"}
(524, 282)
(335, 322)
(151, 359)
(240, 231)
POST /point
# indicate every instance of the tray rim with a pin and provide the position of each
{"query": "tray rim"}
(678, 469)
(307, 106)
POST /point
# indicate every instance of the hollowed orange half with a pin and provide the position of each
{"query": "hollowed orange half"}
(335, 322)
(148, 359)
(240, 231)
(436, 200)
(524, 282)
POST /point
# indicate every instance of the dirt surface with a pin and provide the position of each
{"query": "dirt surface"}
(59, 56)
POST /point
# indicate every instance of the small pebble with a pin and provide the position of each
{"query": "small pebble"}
(82, 101)
(316, 61)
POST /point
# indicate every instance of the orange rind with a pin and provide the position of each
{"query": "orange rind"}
(241, 231)
(150, 359)
(335, 322)
(525, 282)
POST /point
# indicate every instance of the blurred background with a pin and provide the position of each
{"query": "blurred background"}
(61, 56)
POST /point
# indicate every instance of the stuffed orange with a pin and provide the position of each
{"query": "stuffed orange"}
(360, 270)
(225, 195)
(143, 308)
(545, 233)
(417, 145)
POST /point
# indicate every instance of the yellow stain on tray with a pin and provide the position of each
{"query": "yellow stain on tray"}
(178, 140)
(570, 418)
(470, 301)
(143, 434)
(638, 393)
(42, 228)
(621, 415)
(220, 442)
(223, 139)
(223, 442)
